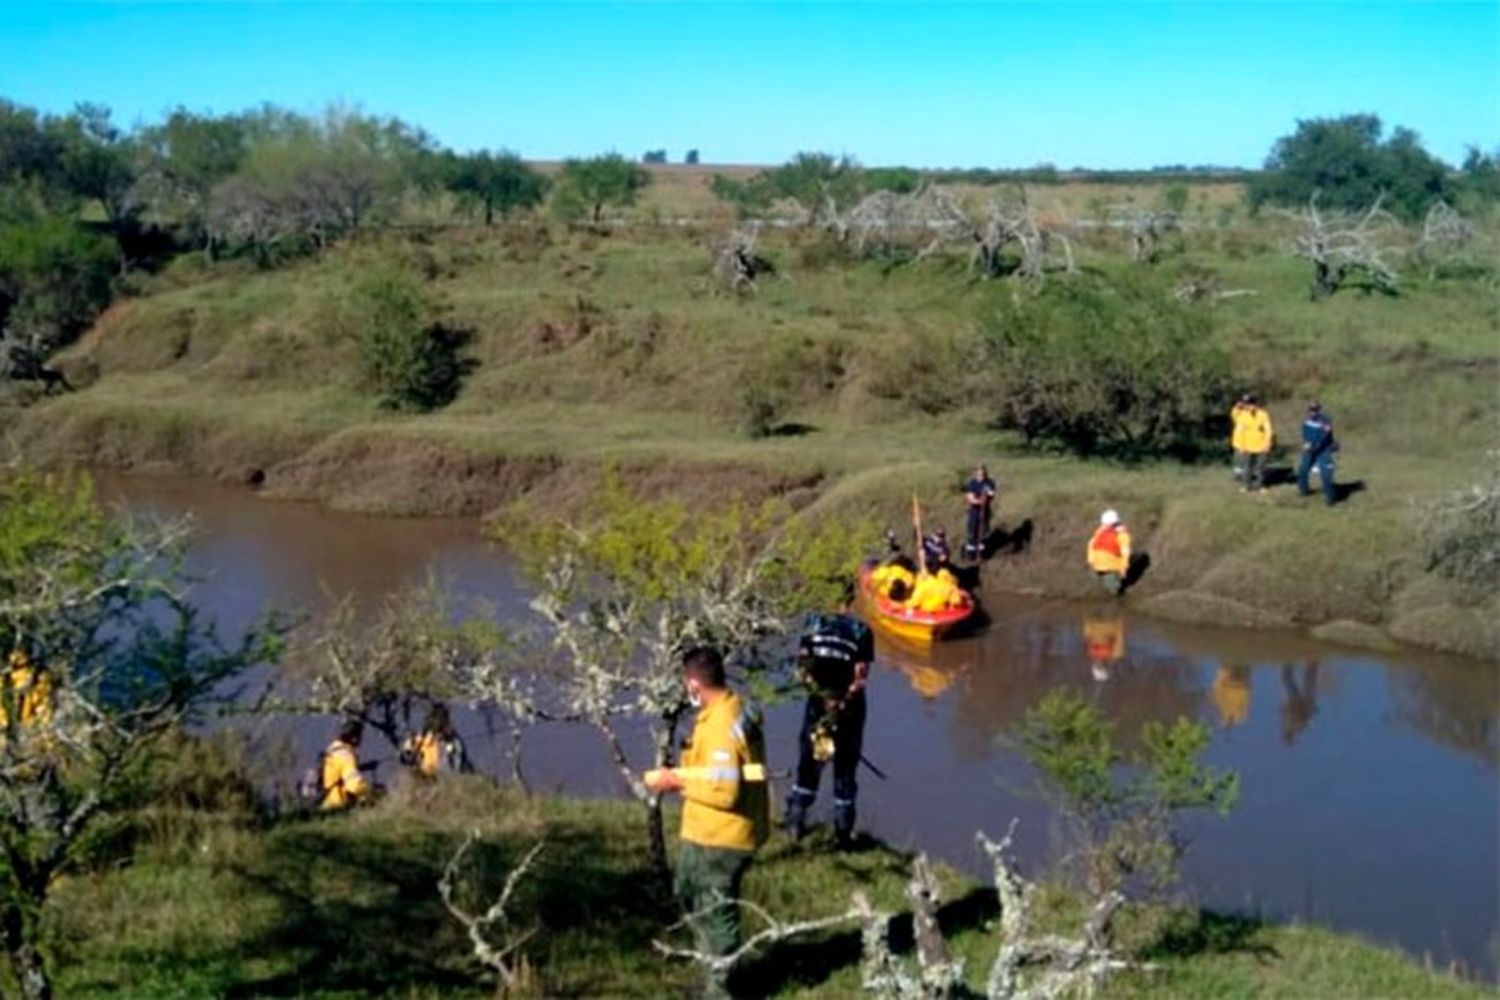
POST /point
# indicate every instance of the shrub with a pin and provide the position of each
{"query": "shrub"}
(412, 362)
(1120, 806)
(1461, 532)
(54, 278)
(1107, 367)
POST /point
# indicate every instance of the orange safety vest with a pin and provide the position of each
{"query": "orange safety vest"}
(1109, 549)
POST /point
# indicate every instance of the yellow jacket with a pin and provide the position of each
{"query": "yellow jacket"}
(428, 753)
(28, 688)
(1109, 550)
(343, 784)
(718, 809)
(1252, 429)
(936, 592)
(883, 576)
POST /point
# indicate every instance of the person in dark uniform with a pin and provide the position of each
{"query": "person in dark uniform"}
(834, 660)
(1318, 448)
(979, 494)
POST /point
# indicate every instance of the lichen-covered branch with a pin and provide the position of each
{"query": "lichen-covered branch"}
(483, 927)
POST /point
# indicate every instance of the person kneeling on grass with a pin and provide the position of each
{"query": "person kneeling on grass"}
(437, 748)
(343, 782)
(1109, 552)
(725, 815)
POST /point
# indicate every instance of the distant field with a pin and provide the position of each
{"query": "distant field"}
(682, 191)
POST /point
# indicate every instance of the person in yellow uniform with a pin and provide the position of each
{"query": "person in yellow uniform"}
(343, 782)
(1251, 440)
(725, 816)
(27, 687)
(1109, 552)
(936, 592)
(436, 748)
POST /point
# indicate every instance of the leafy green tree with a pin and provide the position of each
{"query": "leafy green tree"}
(1479, 181)
(1348, 163)
(623, 596)
(54, 279)
(184, 158)
(499, 182)
(31, 152)
(588, 187)
(691, 157)
(106, 661)
(1114, 367)
(654, 156)
(412, 362)
(100, 163)
(1120, 805)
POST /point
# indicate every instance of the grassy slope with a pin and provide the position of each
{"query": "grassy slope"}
(348, 905)
(616, 349)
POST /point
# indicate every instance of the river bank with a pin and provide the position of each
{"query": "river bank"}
(218, 904)
(1350, 574)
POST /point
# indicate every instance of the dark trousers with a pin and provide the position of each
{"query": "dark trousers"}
(1323, 460)
(1250, 468)
(707, 885)
(848, 744)
(978, 527)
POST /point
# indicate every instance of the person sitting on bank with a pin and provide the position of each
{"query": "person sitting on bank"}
(1109, 552)
(343, 780)
(436, 748)
(1251, 441)
(725, 815)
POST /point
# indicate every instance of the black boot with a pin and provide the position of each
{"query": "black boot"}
(795, 820)
(843, 825)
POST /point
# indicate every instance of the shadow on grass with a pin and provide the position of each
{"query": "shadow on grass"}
(1140, 562)
(1014, 542)
(1212, 934)
(363, 914)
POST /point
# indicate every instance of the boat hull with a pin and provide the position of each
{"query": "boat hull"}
(908, 624)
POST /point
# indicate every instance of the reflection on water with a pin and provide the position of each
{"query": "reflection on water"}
(1368, 782)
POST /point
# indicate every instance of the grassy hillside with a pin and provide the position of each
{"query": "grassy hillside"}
(618, 348)
(214, 906)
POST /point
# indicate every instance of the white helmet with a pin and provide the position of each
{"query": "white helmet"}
(1109, 517)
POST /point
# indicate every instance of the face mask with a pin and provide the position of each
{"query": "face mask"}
(694, 699)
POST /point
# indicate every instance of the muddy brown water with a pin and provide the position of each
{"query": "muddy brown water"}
(1369, 798)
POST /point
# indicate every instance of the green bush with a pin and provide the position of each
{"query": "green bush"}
(54, 278)
(412, 362)
(1114, 367)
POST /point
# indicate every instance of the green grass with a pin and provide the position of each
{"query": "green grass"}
(595, 350)
(348, 905)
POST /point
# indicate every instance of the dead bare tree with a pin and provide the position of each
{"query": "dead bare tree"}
(1444, 233)
(1016, 224)
(499, 956)
(1068, 966)
(737, 265)
(1341, 246)
(1147, 227)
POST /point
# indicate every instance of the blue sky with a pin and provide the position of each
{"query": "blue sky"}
(1121, 84)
